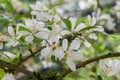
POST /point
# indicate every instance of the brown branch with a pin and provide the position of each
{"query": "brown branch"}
(13, 67)
(31, 55)
(83, 64)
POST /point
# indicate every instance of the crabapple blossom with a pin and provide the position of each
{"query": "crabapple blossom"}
(110, 67)
(72, 53)
(12, 40)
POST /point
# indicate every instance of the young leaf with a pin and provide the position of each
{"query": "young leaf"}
(87, 28)
(21, 28)
(57, 4)
(9, 6)
(99, 77)
(67, 23)
(53, 58)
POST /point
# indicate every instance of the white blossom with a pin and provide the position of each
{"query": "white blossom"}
(37, 29)
(72, 53)
(111, 67)
(52, 49)
(12, 40)
(8, 76)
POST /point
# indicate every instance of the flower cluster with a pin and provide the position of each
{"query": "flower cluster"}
(61, 37)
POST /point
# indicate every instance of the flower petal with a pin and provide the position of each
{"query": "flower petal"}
(65, 44)
(102, 65)
(93, 22)
(73, 21)
(75, 44)
(99, 28)
(11, 31)
(80, 26)
(29, 38)
(77, 56)
(46, 51)
(71, 64)
(59, 53)
(93, 36)
(42, 35)
(86, 43)
(65, 32)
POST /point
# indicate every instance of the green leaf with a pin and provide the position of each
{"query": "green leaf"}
(99, 77)
(2, 73)
(87, 28)
(56, 4)
(9, 6)
(67, 23)
(4, 20)
(21, 28)
(53, 58)
(18, 17)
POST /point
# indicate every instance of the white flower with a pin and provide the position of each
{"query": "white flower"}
(111, 67)
(36, 28)
(52, 49)
(8, 77)
(12, 40)
(72, 52)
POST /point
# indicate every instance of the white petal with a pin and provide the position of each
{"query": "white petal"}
(11, 31)
(21, 33)
(93, 36)
(71, 64)
(12, 42)
(42, 35)
(99, 28)
(65, 32)
(77, 56)
(102, 65)
(93, 22)
(86, 43)
(46, 51)
(1, 45)
(34, 13)
(59, 53)
(89, 18)
(73, 21)
(75, 44)
(80, 26)
(29, 38)
(11, 55)
(65, 44)
(8, 76)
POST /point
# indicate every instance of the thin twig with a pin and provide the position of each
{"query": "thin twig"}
(83, 64)
(31, 55)
(9, 66)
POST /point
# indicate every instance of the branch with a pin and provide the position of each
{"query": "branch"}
(31, 55)
(83, 64)
(9, 66)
